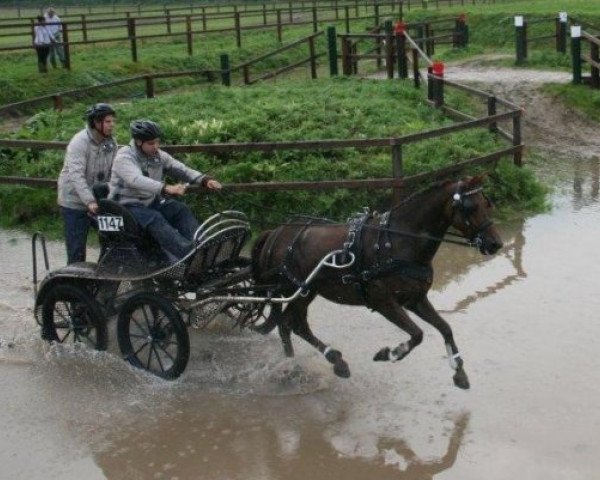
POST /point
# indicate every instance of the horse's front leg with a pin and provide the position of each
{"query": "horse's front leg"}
(425, 310)
(394, 312)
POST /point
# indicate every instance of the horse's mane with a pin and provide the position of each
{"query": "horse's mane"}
(421, 193)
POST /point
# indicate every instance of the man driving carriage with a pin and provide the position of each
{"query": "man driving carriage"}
(138, 183)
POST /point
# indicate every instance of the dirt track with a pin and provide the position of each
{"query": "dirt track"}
(548, 124)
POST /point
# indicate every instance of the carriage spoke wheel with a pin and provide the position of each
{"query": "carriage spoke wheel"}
(152, 335)
(246, 315)
(71, 314)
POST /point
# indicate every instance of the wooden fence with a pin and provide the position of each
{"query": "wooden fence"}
(585, 48)
(555, 31)
(397, 180)
(390, 46)
(148, 80)
(116, 10)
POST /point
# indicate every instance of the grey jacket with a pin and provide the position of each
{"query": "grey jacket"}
(137, 178)
(88, 160)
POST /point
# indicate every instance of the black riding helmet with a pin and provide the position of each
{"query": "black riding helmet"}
(97, 113)
(145, 130)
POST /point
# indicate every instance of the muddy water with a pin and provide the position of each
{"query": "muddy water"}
(525, 320)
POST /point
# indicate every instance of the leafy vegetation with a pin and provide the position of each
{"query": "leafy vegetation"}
(286, 111)
(291, 109)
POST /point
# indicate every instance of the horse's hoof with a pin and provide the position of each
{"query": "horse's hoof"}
(461, 380)
(264, 328)
(382, 355)
(341, 369)
(334, 356)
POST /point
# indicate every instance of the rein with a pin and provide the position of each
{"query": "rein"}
(424, 236)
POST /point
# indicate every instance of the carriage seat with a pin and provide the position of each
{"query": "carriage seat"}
(128, 230)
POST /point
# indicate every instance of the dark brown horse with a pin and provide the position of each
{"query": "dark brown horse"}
(391, 270)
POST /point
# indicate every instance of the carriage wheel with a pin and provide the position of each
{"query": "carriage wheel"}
(70, 314)
(247, 315)
(251, 315)
(152, 335)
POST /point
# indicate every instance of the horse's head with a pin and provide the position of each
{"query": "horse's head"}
(470, 215)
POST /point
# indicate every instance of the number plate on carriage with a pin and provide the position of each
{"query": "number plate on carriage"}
(110, 223)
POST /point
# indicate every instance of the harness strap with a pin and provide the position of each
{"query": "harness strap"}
(393, 265)
(285, 267)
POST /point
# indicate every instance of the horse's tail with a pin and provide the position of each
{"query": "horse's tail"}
(256, 250)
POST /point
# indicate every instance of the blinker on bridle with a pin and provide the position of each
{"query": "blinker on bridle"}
(459, 202)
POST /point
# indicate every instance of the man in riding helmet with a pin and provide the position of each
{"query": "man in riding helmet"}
(88, 160)
(137, 182)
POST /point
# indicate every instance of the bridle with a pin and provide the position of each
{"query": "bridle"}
(461, 203)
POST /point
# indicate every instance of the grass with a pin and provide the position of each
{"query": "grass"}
(286, 111)
(289, 109)
(579, 97)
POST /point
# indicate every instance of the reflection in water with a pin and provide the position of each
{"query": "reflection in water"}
(513, 251)
(230, 448)
(581, 170)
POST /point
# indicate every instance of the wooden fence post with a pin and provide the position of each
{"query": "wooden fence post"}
(149, 86)
(520, 39)
(437, 69)
(132, 38)
(225, 70)
(430, 94)
(57, 102)
(415, 62)
(314, 20)
(376, 12)
(576, 53)
(389, 49)
(491, 108)
(313, 57)
(518, 155)
(332, 50)
(459, 37)
(561, 32)
(401, 55)
(346, 65)
(238, 30)
(204, 19)
(595, 57)
(429, 47)
(168, 15)
(246, 74)
(264, 10)
(188, 33)
(347, 18)
(84, 32)
(279, 36)
(66, 46)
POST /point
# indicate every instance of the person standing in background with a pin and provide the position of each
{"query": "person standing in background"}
(42, 42)
(54, 25)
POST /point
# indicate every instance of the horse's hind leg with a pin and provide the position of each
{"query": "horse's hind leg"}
(300, 327)
(425, 310)
(285, 332)
(396, 314)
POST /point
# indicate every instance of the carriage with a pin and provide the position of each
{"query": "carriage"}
(382, 261)
(153, 298)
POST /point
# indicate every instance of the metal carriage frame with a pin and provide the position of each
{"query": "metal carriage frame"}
(154, 302)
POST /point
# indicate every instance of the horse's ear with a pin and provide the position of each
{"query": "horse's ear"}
(476, 181)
